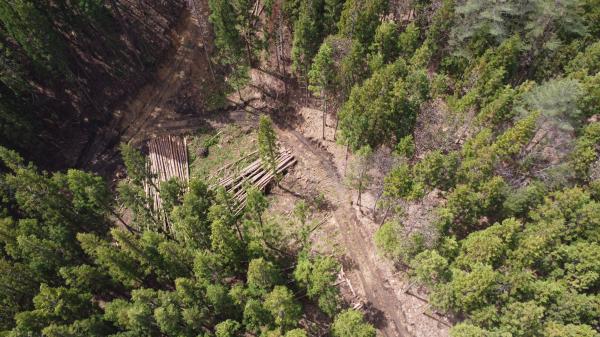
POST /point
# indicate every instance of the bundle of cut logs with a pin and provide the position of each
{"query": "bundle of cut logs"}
(256, 174)
(168, 158)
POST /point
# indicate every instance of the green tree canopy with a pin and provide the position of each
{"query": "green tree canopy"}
(350, 323)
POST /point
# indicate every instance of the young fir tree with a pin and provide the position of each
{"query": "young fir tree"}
(33, 30)
(131, 192)
(284, 309)
(385, 46)
(351, 323)
(267, 144)
(307, 36)
(332, 10)
(383, 108)
(321, 77)
(226, 22)
(227, 37)
(246, 20)
(317, 276)
(360, 18)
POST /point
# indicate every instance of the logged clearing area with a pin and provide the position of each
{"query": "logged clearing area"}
(295, 168)
(218, 135)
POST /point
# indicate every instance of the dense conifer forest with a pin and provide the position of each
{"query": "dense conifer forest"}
(65, 64)
(461, 138)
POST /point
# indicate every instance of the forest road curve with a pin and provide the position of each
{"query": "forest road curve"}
(357, 244)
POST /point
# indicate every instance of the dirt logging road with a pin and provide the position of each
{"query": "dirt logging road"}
(358, 246)
(151, 112)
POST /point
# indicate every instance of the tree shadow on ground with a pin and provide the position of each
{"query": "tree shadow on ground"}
(348, 263)
(374, 316)
(287, 117)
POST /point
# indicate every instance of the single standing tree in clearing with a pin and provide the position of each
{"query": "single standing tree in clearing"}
(358, 176)
(267, 144)
(322, 75)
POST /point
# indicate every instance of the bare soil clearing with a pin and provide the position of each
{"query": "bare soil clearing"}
(319, 173)
(183, 82)
(375, 279)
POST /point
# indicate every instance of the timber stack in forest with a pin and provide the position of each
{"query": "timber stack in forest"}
(256, 174)
(168, 158)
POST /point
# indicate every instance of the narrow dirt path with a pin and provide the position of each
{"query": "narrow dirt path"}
(358, 245)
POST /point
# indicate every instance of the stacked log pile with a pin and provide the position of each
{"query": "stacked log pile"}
(256, 174)
(168, 158)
